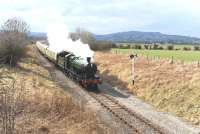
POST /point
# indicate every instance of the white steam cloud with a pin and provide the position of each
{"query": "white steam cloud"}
(58, 38)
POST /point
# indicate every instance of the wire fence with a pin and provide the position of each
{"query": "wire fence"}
(148, 57)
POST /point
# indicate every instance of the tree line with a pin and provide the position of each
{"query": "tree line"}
(157, 47)
(88, 38)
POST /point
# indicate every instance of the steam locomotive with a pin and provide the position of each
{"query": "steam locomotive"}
(82, 71)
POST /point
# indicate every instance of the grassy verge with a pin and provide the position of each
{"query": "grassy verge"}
(172, 88)
(30, 102)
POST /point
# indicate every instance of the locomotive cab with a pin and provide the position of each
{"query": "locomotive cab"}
(61, 60)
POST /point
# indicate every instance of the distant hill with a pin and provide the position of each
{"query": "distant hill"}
(147, 37)
(37, 35)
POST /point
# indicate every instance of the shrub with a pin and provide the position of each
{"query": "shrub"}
(170, 47)
(146, 47)
(101, 45)
(137, 47)
(155, 46)
(124, 46)
(150, 47)
(186, 48)
(196, 48)
(114, 45)
(13, 40)
(128, 46)
(160, 48)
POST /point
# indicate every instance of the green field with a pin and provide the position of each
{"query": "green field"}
(187, 56)
(176, 46)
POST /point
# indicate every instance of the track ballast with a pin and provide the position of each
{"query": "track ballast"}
(136, 123)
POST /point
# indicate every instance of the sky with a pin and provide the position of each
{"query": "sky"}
(180, 17)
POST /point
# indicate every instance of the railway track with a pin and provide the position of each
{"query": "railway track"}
(135, 122)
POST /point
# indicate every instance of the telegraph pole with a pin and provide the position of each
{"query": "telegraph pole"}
(132, 57)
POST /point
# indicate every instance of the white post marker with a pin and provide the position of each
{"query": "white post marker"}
(133, 57)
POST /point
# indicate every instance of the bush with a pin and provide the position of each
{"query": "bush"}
(11, 50)
(196, 48)
(114, 45)
(160, 48)
(170, 47)
(150, 47)
(137, 47)
(155, 46)
(186, 48)
(124, 46)
(146, 47)
(128, 46)
(13, 40)
(101, 45)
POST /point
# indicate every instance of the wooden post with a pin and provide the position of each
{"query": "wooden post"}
(148, 59)
(133, 70)
(183, 62)
(172, 60)
(132, 57)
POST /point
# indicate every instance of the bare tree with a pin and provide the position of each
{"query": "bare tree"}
(13, 40)
(6, 104)
(87, 37)
(11, 95)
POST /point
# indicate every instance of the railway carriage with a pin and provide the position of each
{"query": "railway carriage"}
(42, 48)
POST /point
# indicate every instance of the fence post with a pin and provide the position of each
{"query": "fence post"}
(182, 61)
(172, 60)
(198, 63)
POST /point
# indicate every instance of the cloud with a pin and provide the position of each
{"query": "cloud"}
(102, 16)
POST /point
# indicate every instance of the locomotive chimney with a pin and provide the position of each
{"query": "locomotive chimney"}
(88, 60)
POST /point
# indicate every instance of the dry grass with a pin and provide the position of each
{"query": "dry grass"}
(41, 106)
(174, 88)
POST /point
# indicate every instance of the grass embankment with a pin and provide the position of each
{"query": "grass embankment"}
(39, 104)
(173, 88)
(186, 56)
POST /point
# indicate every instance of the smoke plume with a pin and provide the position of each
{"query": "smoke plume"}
(58, 38)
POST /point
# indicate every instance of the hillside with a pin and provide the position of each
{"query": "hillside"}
(147, 37)
(136, 36)
(37, 35)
